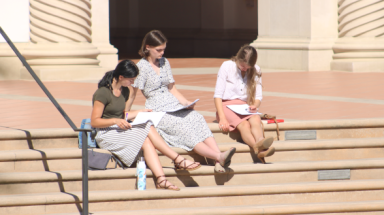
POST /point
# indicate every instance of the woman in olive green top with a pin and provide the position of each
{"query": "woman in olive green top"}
(115, 134)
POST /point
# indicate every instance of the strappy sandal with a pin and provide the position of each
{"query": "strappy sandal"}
(227, 157)
(165, 187)
(266, 153)
(178, 166)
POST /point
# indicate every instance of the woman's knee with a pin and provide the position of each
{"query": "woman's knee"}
(152, 130)
(255, 120)
(147, 144)
(244, 125)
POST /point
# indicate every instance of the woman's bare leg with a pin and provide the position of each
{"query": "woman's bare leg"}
(255, 122)
(246, 133)
(205, 151)
(152, 160)
(211, 143)
(162, 146)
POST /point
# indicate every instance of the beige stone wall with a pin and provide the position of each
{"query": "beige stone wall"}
(14, 20)
(360, 47)
(296, 34)
(320, 35)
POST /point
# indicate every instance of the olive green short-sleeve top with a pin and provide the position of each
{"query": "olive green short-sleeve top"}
(114, 106)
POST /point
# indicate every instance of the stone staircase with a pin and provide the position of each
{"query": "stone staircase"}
(40, 173)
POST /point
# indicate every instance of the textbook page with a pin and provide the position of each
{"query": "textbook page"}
(184, 107)
(241, 109)
(144, 117)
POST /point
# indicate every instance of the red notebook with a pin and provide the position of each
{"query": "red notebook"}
(277, 120)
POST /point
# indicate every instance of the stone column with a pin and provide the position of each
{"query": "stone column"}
(296, 34)
(14, 20)
(100, 34)
(61, 36)
(360, 46)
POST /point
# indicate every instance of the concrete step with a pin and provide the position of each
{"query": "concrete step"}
(50, 159)
(353, 208)
(58, 159)
(38, 139)
(216, 196)
(325, 129)
(238, 174)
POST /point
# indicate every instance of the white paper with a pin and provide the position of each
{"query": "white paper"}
(143, 117)
(241, 109)
(184, 107)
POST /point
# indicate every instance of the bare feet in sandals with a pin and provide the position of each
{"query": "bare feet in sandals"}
(163, 183)
(184, 164)
(225, 157)
(219, 168)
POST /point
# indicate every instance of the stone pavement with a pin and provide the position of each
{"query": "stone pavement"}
(291, 95)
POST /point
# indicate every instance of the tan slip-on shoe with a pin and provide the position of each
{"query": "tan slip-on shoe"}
(266, 153)
(263, 144)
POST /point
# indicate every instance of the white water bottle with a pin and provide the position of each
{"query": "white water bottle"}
(141, 176)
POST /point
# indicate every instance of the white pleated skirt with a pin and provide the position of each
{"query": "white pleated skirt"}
(125, 144)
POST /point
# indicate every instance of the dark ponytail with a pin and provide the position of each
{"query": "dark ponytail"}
(125, 68)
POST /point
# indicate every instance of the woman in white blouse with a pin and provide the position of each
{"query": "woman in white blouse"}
(239, 82)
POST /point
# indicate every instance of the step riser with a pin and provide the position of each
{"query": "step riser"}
(293, 198)
(182, 181)
(38, 143)
(354, 213)
(44, 165)
(239, 157)
(320, 134)
(220, 138)
(70, 186)
(291, 156)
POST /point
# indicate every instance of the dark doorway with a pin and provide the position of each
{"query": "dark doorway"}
(194, 28)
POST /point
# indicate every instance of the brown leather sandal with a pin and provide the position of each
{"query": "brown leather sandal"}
(178, 166)
(165, 187)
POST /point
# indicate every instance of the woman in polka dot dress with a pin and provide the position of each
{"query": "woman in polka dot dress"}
(185, 128)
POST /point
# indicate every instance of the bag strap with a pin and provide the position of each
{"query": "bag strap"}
(277, 128)
(262, 127)
(272, 117)
(118, 161)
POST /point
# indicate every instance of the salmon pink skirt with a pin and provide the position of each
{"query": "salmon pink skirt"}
(233, 118)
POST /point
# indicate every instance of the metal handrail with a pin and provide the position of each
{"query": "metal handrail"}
(66, 117)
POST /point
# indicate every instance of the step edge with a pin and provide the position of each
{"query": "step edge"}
(295, 125)
(309, 208)
(75, 175)
(75, 153)
(192, 192)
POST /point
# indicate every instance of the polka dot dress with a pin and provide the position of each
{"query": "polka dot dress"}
(183, 128)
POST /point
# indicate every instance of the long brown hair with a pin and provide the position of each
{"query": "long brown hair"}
(153, 38)
(247, 54)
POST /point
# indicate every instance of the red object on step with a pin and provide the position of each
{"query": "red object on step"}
(277, 120)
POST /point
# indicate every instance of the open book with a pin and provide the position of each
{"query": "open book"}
(144, 117)
(184, 107)
(241, 109)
